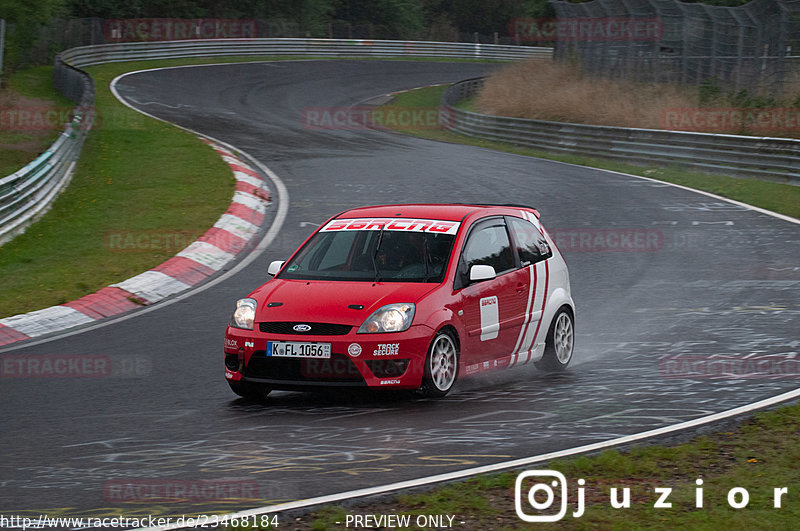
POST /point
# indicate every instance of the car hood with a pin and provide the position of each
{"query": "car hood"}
(329, 302)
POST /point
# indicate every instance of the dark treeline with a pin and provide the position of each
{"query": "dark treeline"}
(448, 20)
(402, 18)
(33, 23)
(405, 17)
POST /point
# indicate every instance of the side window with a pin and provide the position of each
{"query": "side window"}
(531, 245)
(489, 245)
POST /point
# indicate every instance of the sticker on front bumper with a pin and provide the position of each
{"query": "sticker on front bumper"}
(354, 350)
(387, 349)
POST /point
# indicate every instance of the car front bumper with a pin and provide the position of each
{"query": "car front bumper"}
(394, 360)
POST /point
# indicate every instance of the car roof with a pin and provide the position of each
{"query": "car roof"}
(443, 211)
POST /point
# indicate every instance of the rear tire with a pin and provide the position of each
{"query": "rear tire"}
(249, 390)
(560, 342)
(441, 365)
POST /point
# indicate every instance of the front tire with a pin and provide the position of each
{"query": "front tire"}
(560, 342)
(441, 366)
(249, 390)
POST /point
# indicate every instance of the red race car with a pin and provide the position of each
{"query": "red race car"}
(405, 297)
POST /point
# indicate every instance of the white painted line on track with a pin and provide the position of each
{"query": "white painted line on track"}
(497, 467)
(754, 208)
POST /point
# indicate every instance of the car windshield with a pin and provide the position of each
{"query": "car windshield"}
(374, 254)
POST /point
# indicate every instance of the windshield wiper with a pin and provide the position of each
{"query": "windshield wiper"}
(375, 255)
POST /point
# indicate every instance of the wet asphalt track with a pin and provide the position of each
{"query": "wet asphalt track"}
(723, 282)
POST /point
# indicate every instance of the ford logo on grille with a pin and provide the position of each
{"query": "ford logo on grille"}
(301, 328)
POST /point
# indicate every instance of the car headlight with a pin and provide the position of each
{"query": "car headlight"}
(389, 318)
(245, 314)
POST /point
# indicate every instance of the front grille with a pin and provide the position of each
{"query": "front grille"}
(317, 329)
(337, 368)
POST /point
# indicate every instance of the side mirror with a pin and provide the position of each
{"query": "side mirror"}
(275, 267)
(481, 272)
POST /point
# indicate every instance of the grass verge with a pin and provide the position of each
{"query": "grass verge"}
(778, 197)
(136, 178)
(29, 111)
(564, 93)
(756, 457)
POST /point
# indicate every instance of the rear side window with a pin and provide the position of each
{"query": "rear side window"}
(531, 244)
(489, 245)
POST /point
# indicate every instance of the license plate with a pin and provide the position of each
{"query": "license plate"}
(293, 349)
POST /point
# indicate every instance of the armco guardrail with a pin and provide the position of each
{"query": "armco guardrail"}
(773, 159)
(27, 194)
(107, 53)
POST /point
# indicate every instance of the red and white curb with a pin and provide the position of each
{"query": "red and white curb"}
(233, 233)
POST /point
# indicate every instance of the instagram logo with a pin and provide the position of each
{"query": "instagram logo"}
(536, 493)
(542, 488)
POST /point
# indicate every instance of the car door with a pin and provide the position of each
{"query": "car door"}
(493, 309)
(533, 253)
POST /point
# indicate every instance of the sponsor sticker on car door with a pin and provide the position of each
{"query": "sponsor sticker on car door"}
(490, 318)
